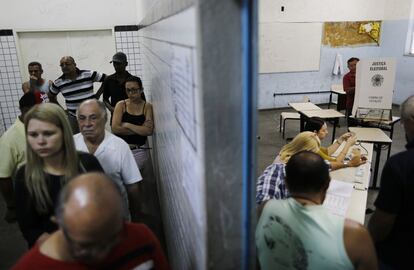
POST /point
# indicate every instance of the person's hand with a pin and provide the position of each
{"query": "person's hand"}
(33, 78)
(351, 140)
(149, 124)
(357, 161)
(344, 137)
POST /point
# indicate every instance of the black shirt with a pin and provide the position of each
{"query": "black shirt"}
(31, 222)
(396, 197)
(114, 90)
(136, 120)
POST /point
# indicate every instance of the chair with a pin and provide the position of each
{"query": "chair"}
(287, 116)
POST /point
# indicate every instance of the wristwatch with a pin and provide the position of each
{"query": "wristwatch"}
(346, 164)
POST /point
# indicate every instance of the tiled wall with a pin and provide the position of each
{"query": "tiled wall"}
(169, 76)
(10, 80)
(126, 41)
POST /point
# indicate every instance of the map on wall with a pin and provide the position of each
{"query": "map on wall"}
(343, 34)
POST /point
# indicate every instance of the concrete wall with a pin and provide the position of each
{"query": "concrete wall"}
(395, 17)
(67, 14)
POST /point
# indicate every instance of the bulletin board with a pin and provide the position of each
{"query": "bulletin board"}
(289, 47)
(343, 34)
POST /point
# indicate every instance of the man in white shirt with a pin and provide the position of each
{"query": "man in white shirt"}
(112, 152)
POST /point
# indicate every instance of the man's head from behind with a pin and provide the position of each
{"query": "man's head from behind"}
(407, 117)
(90, 217)
(92, 117)
(307, 173)
(26, 102)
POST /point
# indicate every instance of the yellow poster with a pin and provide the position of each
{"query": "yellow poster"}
(343, 34)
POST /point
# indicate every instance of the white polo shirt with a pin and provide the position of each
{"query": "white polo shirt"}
(115, 158)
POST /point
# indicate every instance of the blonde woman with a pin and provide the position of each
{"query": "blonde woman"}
(51, 160)
(319, 127)
(271, 184)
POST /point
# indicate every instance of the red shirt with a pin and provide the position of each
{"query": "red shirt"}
(41, 97)
(138, 242)
(348, 83)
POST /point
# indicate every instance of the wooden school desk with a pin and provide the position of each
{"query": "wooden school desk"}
(326, 114)
(337, 89)
(383, 125)
(360, 177)
(308, 109)
(378, 138)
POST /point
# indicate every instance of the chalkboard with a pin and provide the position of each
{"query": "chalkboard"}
(289, 47)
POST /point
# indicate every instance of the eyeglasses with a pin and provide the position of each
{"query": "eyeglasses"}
(133, 90)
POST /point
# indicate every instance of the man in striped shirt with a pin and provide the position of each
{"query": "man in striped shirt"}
(76, 86)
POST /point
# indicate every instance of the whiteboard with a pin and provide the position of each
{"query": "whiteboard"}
(289, 47)
(91, 50)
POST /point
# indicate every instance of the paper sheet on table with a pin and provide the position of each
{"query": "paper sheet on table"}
(338, 197)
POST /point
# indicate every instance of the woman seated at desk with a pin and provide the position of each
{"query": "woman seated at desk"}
(271, 184)
(318, 126)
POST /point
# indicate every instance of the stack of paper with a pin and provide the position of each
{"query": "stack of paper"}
(338, 197)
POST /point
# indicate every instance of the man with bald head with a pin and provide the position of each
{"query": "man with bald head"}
(392, 224)
(90, 238)
(299, 233)
(76, 86)
(112, 152)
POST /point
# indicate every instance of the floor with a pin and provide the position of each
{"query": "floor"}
(269, 143)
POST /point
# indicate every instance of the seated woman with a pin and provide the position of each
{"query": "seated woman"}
(271, 184)
(51, 160)
(319, 127)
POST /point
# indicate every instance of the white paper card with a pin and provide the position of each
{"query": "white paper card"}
(338, 197)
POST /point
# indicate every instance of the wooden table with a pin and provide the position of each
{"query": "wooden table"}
(338, 90)
(326, 114)
(378, 138)
(383, 125)
(358, 201)
(308, 109)
(304, 106)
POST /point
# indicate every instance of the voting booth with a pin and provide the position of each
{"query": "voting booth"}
(374, 87)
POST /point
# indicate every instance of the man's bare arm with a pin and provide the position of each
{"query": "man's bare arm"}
(133, 199)
(380, 224)
(359, 246)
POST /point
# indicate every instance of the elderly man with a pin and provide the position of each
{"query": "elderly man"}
(13, 154)
(299, 233)
(392, 224)
(112, 152)
(76, 86)
(36, 84)
(92, 233)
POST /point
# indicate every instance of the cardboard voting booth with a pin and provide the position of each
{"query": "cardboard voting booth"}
(374, 87)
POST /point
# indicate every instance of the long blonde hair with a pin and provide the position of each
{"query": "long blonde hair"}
(35, 177)
(306, 140)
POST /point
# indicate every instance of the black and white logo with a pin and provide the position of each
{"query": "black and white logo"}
(377, 80)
